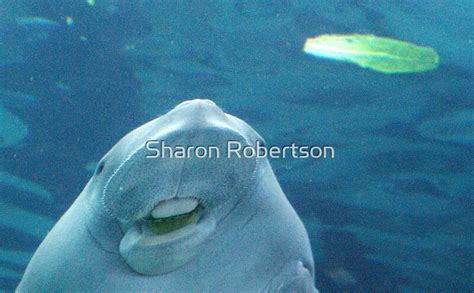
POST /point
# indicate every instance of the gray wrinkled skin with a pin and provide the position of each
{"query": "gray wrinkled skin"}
(247, 239)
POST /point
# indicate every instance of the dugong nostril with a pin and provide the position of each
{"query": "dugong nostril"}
(209, 102)
(196, 102)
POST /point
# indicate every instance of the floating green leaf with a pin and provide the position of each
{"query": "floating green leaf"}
(368, 51)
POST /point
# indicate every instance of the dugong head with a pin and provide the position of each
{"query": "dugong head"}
(168, 208)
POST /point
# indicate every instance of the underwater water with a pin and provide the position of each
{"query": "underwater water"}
(392, 211)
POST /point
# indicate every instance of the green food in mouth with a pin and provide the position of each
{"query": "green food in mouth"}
(169, 224)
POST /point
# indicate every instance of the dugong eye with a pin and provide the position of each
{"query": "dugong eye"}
(100, 168)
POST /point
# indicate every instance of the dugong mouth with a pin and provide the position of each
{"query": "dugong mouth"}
(174, 214)
(168, 237)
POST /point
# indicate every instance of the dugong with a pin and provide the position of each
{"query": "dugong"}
(149, 222)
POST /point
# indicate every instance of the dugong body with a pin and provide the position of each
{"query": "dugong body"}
(146, 222)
